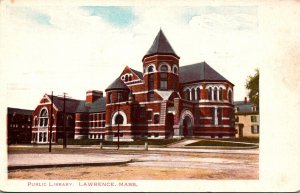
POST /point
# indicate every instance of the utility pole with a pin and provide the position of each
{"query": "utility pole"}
(118, 121)
(51, 122)
(64, 123)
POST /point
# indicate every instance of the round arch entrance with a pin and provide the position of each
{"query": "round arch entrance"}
(186, 123)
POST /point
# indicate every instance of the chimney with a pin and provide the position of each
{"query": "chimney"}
(93, 95)
(245, 100)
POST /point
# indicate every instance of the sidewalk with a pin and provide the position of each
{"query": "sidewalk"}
(27, 161)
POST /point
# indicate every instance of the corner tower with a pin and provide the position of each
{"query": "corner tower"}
(161, 66)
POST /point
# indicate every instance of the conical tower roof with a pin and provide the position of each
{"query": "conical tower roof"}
(161, 45)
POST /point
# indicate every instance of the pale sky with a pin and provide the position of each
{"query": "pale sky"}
(73, 49)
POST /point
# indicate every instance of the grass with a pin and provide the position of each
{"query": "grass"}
(243, 139)
(218, 143)
(135, 142)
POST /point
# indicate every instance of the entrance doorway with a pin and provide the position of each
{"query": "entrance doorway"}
(170, 124)
(187, 127)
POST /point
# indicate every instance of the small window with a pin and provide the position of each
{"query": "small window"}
(254, 129)
(130, 78)
(221, 94)
(156, 134)
(253, 119)
(120, 97)
(212, 112)
(193, 94)
(209, 93)
(151, 96)
(175, 70)
(156, 118)
(149, 115)
(229, 96)
(163, 81)
(215, 93)
(198, 93)
(187, 95)
(164, 68)
(126, 78)
(219, 111)
(150, 69)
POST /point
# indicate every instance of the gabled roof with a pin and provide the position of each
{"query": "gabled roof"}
(11, 110)
(199, 72)
(244, 107)
(79, 106)
(138, 73)
(117, 84)
(96, 106)
(71, 104)
(161, 45)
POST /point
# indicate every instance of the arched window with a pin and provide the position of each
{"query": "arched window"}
(215, 93)
(126, 78)
(44, 118)
(69, 121)
(198, 93)
(209, 93)
(175, 69)
(150, 69)
(130, 78)
(164, 68)
(221, 94)
(229, 96)
(193, 94)
(187, 95)
(119, 119)
(110, 98)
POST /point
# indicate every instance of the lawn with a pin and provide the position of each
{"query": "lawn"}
(124, 143)
(218, 143)
(244, 139)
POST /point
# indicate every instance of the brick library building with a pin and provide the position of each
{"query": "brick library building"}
(166, 100)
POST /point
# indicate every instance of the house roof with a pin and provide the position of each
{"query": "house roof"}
(11, 110)
(138, 73)
(244, 107)
(96, 106)
(79, 106)
(117, 84)
(161, 45)
(199, 72)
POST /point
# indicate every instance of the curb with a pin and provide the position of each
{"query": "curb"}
(10, 168)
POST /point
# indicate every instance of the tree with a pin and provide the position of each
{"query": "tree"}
(252, 84)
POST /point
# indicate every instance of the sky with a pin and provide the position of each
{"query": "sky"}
(73, 49)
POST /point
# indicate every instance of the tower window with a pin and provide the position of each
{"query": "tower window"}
(198, 93)
(215, 93)
(221, 94)
(151, 82)
(209, 93)
(230, 96)
(164, 68)
(193, 94)
(163, 81)
(150, 69)
(175, 70)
